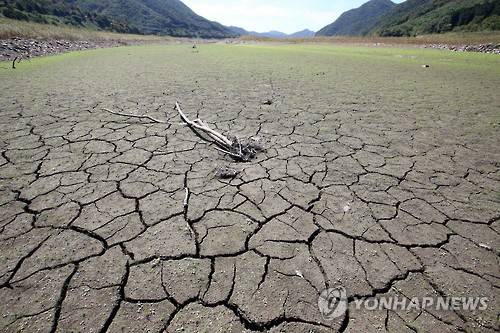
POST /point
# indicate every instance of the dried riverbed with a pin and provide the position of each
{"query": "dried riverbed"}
(379, 175)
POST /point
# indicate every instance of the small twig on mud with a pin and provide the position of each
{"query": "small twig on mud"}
(240, 151)
(135, 116)
(186, 205)
(14, 63)
(186, 198)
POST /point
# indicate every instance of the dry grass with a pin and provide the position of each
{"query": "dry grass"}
(13, 28)
(449, 38)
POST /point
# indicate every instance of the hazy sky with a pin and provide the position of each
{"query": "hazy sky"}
(284, 15)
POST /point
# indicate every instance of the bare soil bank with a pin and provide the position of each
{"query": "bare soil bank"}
(482, 48)
(28, 48)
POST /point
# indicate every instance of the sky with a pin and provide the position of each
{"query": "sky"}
(283, 15)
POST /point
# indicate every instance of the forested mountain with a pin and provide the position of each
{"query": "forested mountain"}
(164, 17)
(414, 17)
(359, 21)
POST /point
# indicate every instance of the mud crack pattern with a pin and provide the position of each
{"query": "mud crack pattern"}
(378, 179)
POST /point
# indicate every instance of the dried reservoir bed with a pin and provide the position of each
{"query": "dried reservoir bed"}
(380, 174)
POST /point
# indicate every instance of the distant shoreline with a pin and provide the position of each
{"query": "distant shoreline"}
(27, 48)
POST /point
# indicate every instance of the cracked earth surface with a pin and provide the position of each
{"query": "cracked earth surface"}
(379, 175)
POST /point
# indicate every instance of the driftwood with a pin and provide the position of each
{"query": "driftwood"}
(242, 151)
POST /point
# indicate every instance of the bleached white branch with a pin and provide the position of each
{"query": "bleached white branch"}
(242, 152)
(200, 125)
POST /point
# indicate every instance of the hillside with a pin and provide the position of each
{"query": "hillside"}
(302, 34)
(60, 12)
(271, 34)
(238, 31)
(162, 17)
(359, 21)
(415, 17)
(306, 33)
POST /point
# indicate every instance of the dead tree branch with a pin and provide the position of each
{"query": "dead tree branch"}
(200, 125)
(14, 62)
(242, 151)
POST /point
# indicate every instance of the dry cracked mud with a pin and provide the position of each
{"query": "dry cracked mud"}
(379, 175)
